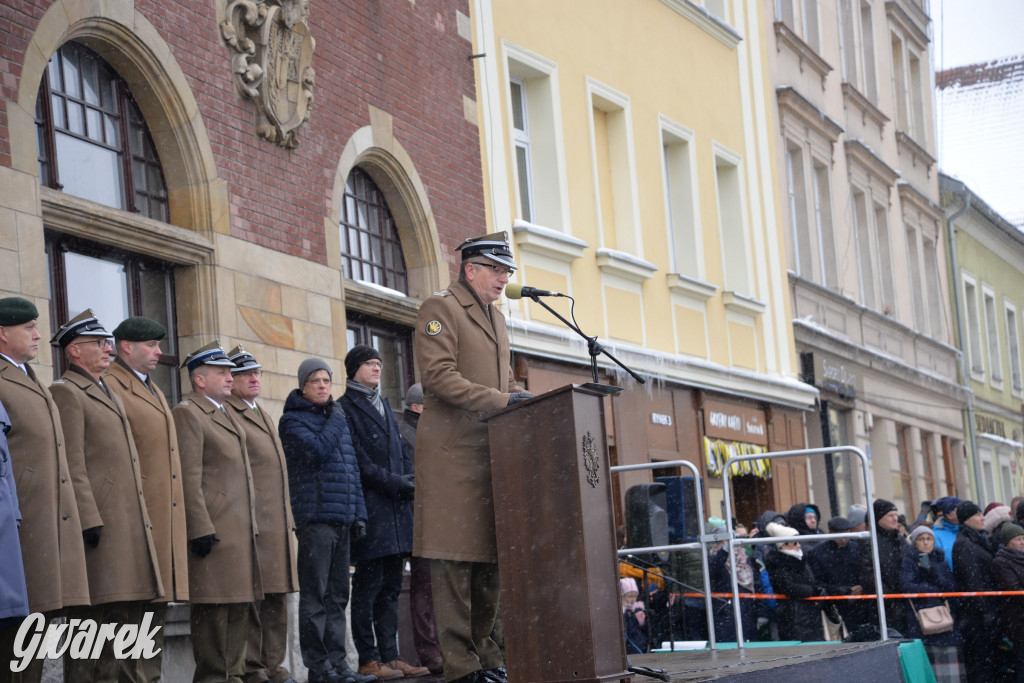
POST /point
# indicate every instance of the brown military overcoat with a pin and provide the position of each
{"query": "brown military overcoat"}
(157, 445)
(219, 499)
(466, 372)
(108, 488)
(276, 543)
(51, 533)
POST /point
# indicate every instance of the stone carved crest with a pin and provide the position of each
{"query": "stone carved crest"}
(272, 62)
(590, 459)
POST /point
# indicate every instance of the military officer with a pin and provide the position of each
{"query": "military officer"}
(137, 346)
(268, 619)
(462, 350)
(223, 569)
(120, 556)
(51, 533)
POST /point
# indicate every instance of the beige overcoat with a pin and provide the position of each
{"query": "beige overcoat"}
(219, 499)
(466, 372)
(275, 545)
(157, 445)
(51, 533)
(108, 488)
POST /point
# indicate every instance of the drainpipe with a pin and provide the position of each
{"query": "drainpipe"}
(959, 189)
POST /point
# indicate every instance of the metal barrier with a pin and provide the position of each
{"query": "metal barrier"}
(681, 546)
(733, 541)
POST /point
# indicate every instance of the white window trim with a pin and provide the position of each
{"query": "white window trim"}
(685, 134)
(965, 281)
(1009, 307)
(994, 364)
(721, 152)
(606, 98)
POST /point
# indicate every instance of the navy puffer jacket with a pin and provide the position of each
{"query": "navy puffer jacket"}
(323, 474)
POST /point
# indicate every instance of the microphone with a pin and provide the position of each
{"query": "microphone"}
(516, 291)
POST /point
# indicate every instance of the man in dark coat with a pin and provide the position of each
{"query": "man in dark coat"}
(52, 548)
(836, 564)
(978, 618)
(387, 477)
(327, 502)
(421, 604)
(890, 558)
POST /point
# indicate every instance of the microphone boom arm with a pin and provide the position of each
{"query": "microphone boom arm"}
(593, 347)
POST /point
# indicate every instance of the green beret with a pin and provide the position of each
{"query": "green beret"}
(17, 311)
(139, 329)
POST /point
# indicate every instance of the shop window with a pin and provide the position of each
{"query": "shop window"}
(115, 284)
(92, 140)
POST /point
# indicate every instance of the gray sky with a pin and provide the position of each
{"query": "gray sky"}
(971, 31)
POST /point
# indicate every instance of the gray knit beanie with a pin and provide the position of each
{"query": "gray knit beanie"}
(309, 366)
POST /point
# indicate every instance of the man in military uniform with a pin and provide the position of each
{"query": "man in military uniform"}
(462, 350)
(220, 507)
(120, 557)
(137, 345)
(268, 618)
(51, 533)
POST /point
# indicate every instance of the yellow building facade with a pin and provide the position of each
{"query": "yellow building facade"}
(628, 151)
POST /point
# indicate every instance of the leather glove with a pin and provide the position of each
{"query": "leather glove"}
(358, 530)
(407, 487)
(91, 536)
(204, 544)
(519, 396)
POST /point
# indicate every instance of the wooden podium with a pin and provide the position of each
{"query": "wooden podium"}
(556, 539)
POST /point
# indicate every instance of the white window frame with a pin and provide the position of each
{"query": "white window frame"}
(1013, 347)
(733, 226)
(857, 46)
(992, 345)
(975, 349)
(682, 199)
(802, 17)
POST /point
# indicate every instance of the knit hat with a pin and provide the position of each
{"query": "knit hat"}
(966, 509)
(990, 507)
(781, 531)
(996, 516)
(414, 395)
(1011, 530)
(920, 531)
(17, 311)
(838, 525)
(309, 366)
(628, 585)
(359, 354)
(882, 508)
(857, 515)
(946, 505)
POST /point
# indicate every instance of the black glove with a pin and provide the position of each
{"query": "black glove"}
(407, 487)
(91, 536)
(358, 530)
(204, 544)
(519, 396)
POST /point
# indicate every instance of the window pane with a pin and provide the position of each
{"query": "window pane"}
(70, 82)
(94, 123)
(98, 284)
(87, 171)
(91, 82)
(76, 118)
(57, 104)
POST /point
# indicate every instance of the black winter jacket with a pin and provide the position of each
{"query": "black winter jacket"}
(383, 460)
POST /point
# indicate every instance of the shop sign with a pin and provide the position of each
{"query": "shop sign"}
(986, 424)
(732, 422)
(661, 419)
(832, 374)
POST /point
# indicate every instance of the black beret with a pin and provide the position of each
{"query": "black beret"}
(359, 354)
(139, 329)
(17, 311)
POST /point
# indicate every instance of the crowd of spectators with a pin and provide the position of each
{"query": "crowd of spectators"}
(953, 546)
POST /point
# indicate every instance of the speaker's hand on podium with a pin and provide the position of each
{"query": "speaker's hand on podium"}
(519, 396)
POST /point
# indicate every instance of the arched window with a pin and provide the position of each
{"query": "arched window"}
(370, 248)
(92, 139)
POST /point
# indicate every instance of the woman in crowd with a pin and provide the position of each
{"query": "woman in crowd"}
(924, 570)
(1008, 573)
(797, 619)
(634, 617)
(748, 580)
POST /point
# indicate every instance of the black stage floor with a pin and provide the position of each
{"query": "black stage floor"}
(875, 661)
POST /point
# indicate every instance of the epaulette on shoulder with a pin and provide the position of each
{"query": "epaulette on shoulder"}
(184, 402)
(443, 292)
(60, 381)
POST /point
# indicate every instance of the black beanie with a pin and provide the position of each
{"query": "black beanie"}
(882, 508)
(965, 510)
(358, 355)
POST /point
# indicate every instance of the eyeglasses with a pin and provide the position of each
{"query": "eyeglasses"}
(500, 270)
(249, 373)
(374, 363)
(102, 343)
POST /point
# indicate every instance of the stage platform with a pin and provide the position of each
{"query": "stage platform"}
(811, 663)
